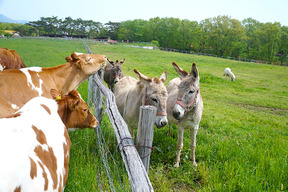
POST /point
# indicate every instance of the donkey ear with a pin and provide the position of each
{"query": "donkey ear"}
(181, 72)
(194, 71)
(163, 77)
(143, 78)
(121, 62)
(111, 62)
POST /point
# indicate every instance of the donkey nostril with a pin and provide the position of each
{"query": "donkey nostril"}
(176, 114)
(163, 123)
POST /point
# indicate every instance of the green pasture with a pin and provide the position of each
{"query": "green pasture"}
(242, 143)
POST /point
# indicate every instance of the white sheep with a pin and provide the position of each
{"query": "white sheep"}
(228, 73)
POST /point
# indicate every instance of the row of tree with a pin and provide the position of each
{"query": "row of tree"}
(222, 35)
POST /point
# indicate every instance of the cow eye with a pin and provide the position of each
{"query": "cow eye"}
(85, 110)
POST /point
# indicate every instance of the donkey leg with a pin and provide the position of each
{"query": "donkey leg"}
(193, 144)
(179, 144)
(169, 129)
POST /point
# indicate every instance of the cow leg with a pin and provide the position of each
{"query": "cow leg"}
(179, 144)
(193, 144)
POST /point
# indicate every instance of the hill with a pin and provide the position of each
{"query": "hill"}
(5, 19)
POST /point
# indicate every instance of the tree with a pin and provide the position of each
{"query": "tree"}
(269, 35)
(283, 48)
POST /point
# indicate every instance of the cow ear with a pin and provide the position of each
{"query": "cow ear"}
(74, 56)
(121, 62)
(72, 105)
(194, 71)
(181, 72)
(143, 78)
(55, 94)
(68, 59)
(80, 64)
(163, 77)
(74, 93)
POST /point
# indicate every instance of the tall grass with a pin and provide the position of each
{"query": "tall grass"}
(243, 137)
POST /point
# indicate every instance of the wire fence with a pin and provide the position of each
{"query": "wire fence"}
(113, 166)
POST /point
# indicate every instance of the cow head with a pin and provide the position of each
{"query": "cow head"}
(88, 64)
(73, 110)
(155, 94)
(188, 91)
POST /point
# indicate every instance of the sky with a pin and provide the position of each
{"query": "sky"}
(122, 10)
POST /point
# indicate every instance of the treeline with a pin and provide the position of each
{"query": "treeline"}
(222, 35)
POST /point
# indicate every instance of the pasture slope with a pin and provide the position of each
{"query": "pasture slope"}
(243, 136)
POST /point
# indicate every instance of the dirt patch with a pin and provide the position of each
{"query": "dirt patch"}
(276, 111)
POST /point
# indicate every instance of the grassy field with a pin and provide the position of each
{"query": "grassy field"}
(243, 136)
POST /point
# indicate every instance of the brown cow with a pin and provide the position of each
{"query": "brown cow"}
(113, 73)
(35, 145)
(20, 85)
(10, 59)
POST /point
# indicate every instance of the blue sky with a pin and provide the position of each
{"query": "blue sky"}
(122, 10)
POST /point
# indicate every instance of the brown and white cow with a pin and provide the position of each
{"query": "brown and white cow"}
(185, 107)
(10, 59)
(20, 85)
(130, 94)
(113, 73)
(35, 145)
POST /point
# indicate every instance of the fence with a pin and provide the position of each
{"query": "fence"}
(231, 58)
(138, 176)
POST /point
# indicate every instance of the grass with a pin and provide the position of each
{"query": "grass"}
(243, 137)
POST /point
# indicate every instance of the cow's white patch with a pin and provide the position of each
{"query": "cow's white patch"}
(79, 53)
(2, 67)
(20, 140)
(14, 106)
(29, 79)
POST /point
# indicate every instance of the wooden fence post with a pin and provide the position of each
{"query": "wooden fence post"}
(145, 133)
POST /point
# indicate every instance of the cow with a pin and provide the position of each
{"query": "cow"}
(35, 145)
(130, 94)
(228, 73)
(185, 107)
(20, 85)
(113, 73)
(10, 59)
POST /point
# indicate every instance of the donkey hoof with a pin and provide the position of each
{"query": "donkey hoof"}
(176, 164)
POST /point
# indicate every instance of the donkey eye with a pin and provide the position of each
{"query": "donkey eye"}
(155, 100)
(191, 92)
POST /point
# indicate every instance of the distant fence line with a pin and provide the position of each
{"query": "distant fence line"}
(231, 58)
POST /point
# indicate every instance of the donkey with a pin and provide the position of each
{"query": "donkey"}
(184, 107)
(130, 94)
(113, 73)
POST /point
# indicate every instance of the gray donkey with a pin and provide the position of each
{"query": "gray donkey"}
(184, 107)
(130, 94)
(113, 73)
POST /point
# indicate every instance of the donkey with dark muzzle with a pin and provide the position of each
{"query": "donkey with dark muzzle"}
(113, 73)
